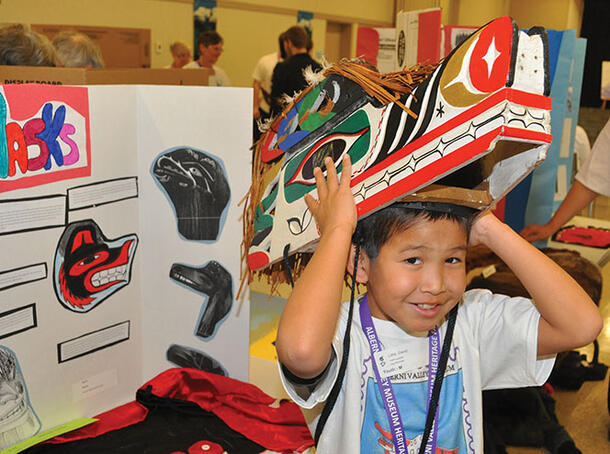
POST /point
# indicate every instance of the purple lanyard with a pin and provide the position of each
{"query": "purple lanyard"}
(385, 385)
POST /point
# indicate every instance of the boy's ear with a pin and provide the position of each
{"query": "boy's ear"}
(362, 273)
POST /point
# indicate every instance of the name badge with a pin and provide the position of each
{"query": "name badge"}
(393, 361)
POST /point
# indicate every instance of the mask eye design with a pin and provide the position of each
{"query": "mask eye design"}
(299, 225)
(298, 173)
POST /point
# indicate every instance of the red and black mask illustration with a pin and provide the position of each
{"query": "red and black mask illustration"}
(197, 187)
(89, 267)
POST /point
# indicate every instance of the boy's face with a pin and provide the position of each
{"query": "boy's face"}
(419, 275)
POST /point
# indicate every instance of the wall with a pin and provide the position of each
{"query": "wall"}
(478, 13)
(248, 35)
(167, 20)
(356, 10)
(554, 14)
(250, 28)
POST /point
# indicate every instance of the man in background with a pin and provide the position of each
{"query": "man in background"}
(263, 71)
(77, 50)
(210, 46)
(288, 77)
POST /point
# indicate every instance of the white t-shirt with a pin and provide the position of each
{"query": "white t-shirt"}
(218, 79)
(494, 346)
(263, 71)
(595, 173)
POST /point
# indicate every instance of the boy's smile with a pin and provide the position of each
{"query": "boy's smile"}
(419, 275)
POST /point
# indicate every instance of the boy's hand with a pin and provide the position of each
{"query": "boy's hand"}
(482, 227)
(335, 207)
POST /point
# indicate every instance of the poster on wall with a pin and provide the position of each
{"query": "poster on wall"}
(377, 46)
(304, 19)
(452, 36)
(120, 236)
(204, 20)
(418, 37)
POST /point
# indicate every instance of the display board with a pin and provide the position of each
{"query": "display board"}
(120, 234)
(549, 183)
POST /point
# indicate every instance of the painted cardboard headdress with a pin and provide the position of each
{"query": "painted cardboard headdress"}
(484, 110)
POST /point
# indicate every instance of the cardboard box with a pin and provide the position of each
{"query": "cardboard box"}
(120, 47)
(81, 76)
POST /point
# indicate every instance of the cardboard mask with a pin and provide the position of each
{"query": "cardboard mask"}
(484, 109)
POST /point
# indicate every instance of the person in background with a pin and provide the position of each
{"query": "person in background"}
(288, 77)
(593, 179)
(77, 50)
(21, 46)
(210, 46)
(181, 54)
(263, 71)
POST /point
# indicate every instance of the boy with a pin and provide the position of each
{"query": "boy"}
(413, 266)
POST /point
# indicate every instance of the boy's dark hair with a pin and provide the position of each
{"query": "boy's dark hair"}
(375, 230)
(209, 38)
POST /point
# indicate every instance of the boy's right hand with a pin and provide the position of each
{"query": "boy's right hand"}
(335, 207)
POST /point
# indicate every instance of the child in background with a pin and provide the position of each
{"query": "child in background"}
(413, 265)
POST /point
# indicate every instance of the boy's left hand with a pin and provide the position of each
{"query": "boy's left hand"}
(480, 230)
(335, 207)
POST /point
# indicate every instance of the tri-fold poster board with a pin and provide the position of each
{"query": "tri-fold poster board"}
(120, 241)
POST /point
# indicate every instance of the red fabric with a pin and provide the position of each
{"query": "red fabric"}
(242, 406)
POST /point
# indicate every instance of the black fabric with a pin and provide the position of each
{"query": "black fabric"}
(523, 417)
(288, 78)
(595, 19)
(171, 425)
(571, 370)
(334, 392)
